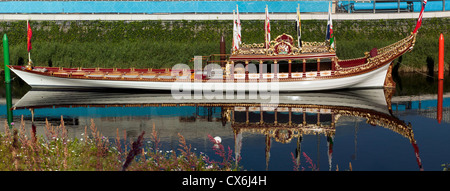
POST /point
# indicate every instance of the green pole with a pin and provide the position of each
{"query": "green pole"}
(7, 81)
(6, 59)
(9, 104)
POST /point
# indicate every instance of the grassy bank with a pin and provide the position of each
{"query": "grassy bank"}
(123, 54)
(25, 151)
(154, 44)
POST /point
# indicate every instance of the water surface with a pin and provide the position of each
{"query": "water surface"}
(373, 129)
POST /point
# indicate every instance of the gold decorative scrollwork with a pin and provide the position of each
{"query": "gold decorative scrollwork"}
(385, 54)
(260, 48)
(254, 45)
(306, 44)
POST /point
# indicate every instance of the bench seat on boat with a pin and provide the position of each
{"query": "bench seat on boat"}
(53, 69)
(148, 75)
(165, 76)
(61, 73)
(79, 73)
(131, 75)
(96, 74)
(114, 74)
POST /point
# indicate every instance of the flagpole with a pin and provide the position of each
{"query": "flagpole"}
(238, 26)
(299, 31)
(419, 20)
(329, 37)
(267, 25)
(29, 55)
(234, 31)
(29, 66)
(265, 28)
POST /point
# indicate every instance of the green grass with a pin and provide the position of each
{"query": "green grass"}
(124, 54)
(155, 44)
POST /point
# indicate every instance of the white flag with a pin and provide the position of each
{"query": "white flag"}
(238, 25)
(298, 25)
(235, 34)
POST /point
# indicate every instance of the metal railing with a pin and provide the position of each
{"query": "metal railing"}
(215, 6)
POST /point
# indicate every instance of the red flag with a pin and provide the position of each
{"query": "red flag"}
(267, 28)
(29, 34)
(419, 21)
(416, 151)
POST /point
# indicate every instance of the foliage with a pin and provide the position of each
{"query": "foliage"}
(22, 151)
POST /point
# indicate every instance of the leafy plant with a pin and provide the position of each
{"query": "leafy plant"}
(56, 152)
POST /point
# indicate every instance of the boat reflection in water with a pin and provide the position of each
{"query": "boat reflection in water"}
(295, 115)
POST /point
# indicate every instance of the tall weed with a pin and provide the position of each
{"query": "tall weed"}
(22, 151)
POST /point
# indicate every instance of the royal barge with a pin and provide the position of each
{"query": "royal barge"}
(281, 64)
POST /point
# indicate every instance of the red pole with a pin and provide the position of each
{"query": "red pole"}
(440, 100)
(441, 57)
(441, 78)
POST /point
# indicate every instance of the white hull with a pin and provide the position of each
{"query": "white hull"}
(371, 79)
(371, 99)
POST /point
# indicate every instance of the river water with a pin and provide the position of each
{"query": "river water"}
(368, 129)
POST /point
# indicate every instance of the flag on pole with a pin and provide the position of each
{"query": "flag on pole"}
(267, 28)
(419, 21)
(330, 34)
(299, 28)
(235, 34)
(330, 142)
(29, 34)
(238, 25)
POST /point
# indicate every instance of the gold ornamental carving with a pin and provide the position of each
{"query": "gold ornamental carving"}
(283, 45)
(385, 54)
